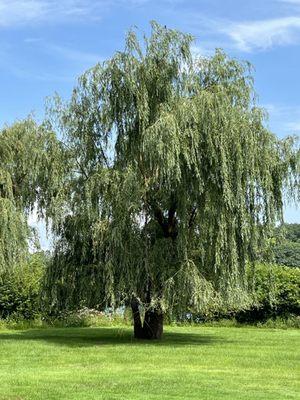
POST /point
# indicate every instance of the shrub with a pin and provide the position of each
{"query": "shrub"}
(20, 289)
(276, 293)
(86, 317)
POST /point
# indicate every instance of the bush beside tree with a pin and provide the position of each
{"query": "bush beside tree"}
(20, 289)
(276, 293)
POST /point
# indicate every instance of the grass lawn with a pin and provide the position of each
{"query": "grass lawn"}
(189, 363)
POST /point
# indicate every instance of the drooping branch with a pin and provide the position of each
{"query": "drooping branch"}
(192, 217)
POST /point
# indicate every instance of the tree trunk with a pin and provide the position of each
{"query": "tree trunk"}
(137, 322)
(153, 324)
(152, 328)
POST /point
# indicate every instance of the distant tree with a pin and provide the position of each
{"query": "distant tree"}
(168, 154)
(287, 248)
(27, 153)
(291, 232)
(287, 253)
(276, 294)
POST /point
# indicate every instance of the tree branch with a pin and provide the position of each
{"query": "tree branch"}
(192, 217)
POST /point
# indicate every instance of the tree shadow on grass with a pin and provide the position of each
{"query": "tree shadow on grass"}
(82, 337)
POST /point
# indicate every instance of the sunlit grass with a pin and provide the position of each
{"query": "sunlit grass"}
(189, 363)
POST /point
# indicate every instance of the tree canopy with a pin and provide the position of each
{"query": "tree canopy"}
(173, 180)
(27, 163)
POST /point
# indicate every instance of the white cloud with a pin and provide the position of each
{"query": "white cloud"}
(16, 11)
(263, 34)
(22, 12)
(290, 1)
(248, 35)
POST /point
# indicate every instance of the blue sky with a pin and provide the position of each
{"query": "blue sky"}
(46, 44)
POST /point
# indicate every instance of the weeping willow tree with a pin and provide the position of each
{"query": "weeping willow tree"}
(174, 183)
(27, 154)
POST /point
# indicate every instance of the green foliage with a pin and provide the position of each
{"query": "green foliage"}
(281, 323)
(289, 322)
(288, 253)
(27, 167)
(20, 289)
(167, 154)
(276, 293)
(87, 318)
(287, 247)
(291, 232)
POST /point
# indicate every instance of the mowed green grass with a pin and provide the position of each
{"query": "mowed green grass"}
(189, 363)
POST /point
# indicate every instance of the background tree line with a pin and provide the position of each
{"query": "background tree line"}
(287, 245)
(276, 292)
